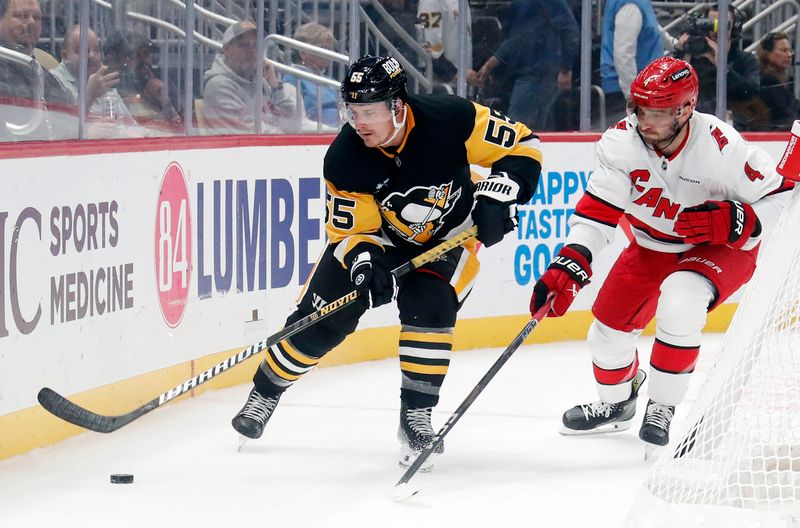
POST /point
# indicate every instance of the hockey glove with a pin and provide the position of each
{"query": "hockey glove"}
(495, 211)
(728, 222)
(370, 275)
(569, 271)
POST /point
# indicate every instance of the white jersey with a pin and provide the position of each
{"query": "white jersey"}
(713, 163)
(439, 20)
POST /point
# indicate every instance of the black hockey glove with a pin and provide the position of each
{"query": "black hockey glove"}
(370, 275)
(495, 211)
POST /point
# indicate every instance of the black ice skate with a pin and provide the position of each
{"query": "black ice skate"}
(255, 414)
(603, 417)
(655, 426)
(415, 434)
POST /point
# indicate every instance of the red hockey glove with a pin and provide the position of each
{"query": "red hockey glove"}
(569, 271)
(728, 222)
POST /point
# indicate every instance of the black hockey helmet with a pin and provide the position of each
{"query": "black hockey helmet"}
(373, 79)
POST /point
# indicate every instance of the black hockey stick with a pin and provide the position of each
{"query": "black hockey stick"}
(77, 415)
(400, 491)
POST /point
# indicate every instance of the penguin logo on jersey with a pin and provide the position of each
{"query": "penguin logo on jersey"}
(417, 214)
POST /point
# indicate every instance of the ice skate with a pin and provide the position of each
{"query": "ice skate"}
(251, 419)
(602, 417)
(655, 425)
(415, 434)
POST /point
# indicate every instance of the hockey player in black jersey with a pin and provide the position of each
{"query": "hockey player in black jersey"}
(398, 182)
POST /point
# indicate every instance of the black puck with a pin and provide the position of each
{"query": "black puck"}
(121, 478)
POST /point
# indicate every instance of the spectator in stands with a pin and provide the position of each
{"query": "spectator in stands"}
(538, 55)
(22, 100)
(145, 94)
(630, 40)
(231, 84)
(781, 107)
(327, 112)
(487, 35)
(743, 78)
(102, 99)
(439, 21)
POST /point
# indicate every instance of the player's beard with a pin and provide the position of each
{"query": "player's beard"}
(663, 141)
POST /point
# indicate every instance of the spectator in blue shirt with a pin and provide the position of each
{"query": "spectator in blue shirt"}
(327, 111)
(630, 40)
(537, 56)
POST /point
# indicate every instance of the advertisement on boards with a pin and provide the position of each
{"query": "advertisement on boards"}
(118, 264)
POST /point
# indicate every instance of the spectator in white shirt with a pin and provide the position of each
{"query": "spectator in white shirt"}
(439, 21)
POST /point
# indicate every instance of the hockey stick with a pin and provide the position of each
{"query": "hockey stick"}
(61, 407)
(401, 488)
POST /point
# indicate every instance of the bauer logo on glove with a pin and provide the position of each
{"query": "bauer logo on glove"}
(572, 267)
(727, 222)
(569, 271)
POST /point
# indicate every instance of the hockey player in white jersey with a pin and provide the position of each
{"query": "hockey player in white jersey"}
(699, 200)
(439, 21)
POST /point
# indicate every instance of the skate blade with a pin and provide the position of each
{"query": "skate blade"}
(616, 427)
(652, 452)
(242, 442)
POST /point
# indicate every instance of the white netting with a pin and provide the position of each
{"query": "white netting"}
(737, 463)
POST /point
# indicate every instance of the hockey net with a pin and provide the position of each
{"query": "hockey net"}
(736, 461)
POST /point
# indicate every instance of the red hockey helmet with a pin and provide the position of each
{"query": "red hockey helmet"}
(665, 83)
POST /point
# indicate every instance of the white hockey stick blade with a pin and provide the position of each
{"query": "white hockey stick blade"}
(406, 490)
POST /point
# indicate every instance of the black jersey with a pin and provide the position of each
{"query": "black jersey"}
(421, 192)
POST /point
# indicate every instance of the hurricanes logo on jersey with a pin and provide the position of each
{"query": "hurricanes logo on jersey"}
(417, 214)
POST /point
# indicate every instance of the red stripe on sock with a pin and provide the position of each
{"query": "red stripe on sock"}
(616, 376)
(673, 359)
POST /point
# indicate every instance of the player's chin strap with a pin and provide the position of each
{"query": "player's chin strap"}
(397, 126)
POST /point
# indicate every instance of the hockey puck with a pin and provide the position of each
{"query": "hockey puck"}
(121, 478)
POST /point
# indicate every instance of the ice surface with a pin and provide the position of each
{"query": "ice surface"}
(329, 456)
